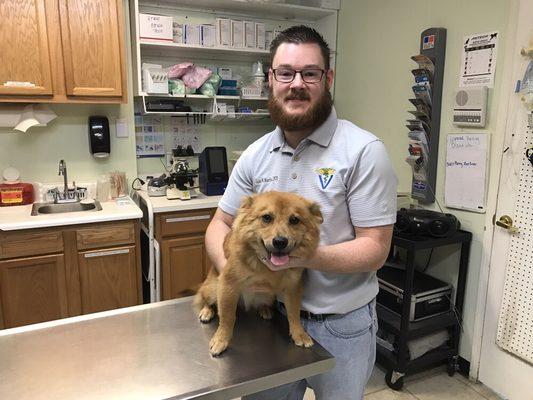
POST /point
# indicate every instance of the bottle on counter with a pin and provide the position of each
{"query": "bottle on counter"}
(13, 192)
(103, 188)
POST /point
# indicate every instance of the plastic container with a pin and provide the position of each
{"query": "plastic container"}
(12, 191)
(103, 186)
(251, 91)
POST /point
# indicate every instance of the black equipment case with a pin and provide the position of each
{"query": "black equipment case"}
(430, 296)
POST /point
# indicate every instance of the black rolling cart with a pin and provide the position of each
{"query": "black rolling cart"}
(398, 362)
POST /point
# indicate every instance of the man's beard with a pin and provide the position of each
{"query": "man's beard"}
(311, 119)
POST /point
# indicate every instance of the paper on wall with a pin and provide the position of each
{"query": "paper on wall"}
(478, 62)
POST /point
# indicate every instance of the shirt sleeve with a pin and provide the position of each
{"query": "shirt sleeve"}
(372, 187)
(240, 184)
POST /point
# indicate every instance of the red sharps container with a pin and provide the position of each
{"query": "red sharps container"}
(13, 192)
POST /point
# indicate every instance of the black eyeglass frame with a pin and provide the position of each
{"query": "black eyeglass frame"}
(298, 72)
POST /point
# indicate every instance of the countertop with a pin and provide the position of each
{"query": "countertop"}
(19, 217)
(152, 351)
(162, 204)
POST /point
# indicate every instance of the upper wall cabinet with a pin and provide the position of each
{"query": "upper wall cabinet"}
(90, 32)
(24, 50)
(62, 51)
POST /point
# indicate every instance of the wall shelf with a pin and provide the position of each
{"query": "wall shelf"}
(209, 108)
(292, 12)
(275, 15)
(189, 51)
(202, 96)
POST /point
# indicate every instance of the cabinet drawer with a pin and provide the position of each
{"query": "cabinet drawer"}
(110, 235)
(15, 244)
(182, 223)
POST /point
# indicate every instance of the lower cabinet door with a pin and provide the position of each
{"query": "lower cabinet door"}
(108, 279)
(32, 290)
(184, 266)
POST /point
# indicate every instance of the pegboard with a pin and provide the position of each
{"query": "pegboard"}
(515, 324)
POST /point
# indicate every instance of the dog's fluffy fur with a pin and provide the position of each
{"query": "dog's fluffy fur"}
(275, 226)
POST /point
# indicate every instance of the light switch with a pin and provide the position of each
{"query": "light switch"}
(121, 125)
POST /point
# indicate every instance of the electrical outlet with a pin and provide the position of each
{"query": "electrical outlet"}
(168, 160)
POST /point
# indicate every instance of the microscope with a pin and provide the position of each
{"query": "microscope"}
(179, 177)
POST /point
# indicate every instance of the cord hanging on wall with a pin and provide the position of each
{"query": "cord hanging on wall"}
(424, 128)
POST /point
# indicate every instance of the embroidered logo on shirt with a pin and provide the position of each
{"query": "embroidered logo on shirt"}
(268, 179)
(325, 175)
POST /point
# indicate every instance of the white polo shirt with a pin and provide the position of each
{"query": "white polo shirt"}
(344, 169)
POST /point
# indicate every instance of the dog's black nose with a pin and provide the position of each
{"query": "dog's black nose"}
(280, 242)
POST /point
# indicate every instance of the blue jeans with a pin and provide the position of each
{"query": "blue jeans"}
(351, 338)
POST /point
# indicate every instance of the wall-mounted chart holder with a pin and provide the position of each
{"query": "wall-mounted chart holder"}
(425, 126)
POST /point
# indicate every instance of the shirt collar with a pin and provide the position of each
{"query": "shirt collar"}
(321, 135)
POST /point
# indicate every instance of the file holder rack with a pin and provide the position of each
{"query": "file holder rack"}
(432, 46)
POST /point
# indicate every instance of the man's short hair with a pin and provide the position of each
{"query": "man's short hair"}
(300, 34)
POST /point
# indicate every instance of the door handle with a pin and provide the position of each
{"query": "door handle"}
(106, 253)
(506, 222)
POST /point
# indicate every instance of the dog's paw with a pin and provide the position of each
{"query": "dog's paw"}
(206, 314)
(217, 345)
(302, 339)
(265, 312)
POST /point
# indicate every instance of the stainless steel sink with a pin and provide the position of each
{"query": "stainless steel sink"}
(59, 208)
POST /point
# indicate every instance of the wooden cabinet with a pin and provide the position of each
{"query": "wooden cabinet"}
(184, 265)
(24, 27)
(184, 261)
(33, 290)
(53, 273)
(108, 279)
(73, 51)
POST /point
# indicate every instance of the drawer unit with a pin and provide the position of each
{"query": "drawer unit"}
(184, 222)
(105, 236)
(15, 245)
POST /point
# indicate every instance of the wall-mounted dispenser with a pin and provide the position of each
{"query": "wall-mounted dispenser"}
(99, 140)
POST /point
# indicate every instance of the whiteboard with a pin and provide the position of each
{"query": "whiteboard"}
(466, 171)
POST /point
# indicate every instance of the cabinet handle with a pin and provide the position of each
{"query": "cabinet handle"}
(106, 253)
(183, 219)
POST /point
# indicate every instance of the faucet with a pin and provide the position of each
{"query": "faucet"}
(63, 171)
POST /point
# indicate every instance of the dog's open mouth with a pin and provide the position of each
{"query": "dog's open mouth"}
(279, 259)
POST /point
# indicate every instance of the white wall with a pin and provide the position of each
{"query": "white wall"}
(376, 40)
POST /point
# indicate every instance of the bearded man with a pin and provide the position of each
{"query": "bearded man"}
(348, 172)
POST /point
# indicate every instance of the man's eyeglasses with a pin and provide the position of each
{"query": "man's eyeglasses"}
(309, 75)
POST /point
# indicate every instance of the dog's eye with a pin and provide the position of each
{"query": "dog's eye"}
(267, 218)
(294, 220)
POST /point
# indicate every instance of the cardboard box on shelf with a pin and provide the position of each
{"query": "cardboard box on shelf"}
(249, 35)
(237, 34)
(207, 35)
(260, 38)
(177, 32)
(223, 32)
(191, 34)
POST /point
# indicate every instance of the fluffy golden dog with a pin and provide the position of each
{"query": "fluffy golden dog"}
(274, 226)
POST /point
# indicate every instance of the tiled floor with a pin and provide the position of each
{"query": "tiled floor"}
(431, 385)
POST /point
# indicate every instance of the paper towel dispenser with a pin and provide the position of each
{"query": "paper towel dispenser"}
(99, 140)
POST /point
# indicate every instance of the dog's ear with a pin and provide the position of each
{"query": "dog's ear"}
(247, 201)
(314, 209)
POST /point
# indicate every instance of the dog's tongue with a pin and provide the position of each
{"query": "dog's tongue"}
(279, 260)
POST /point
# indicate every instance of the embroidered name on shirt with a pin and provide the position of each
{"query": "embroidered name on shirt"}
(325, 175)
(266, 180)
